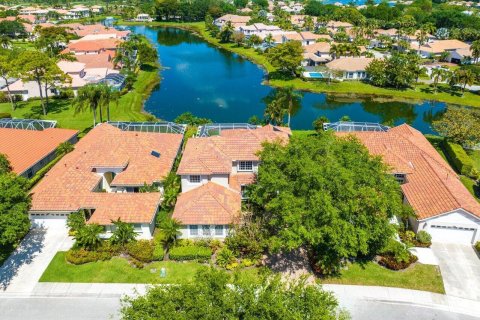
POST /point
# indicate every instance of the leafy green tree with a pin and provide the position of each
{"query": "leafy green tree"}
(328, 194)
(238, 38)
(5, 42)
(475, 47)
(191, 120)
(227, 32)
(318, 123)
(215, 294)
(171, 230)
(286, 56)
(88, 237)
(14, 205)
(76, 220)
(460, 125)
(123, 233)
(464, 77)
(437, 75)
(8, 70)
(377, 74)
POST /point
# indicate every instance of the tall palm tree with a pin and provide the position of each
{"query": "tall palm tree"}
(88, 237)
(465, 77)
(437, 75)
(5, 42)
(275, 112)
(269, 40)
(88, 97)
(475, 47)
(171, 230)
(108, 96)
(291, 99)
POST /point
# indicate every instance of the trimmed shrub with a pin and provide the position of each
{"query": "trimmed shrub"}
(4, 115)
(247, 263)
(82, 256)
(459, 158)
(392, 263)
(395, 256)
(137, 264)
(141, 250)
(477, 246)
(225, 257)
(190, 253)
(424, 237)
(158, 253)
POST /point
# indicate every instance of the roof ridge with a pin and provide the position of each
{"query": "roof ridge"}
(211, 183)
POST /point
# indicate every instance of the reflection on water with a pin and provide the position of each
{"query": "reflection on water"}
(225, 87)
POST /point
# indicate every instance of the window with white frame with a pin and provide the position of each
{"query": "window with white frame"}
(206, 231)
(194, 230)
(195, 179)
(245, 166)
(219, 230)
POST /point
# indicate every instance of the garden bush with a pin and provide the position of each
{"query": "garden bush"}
(190, 253)
(4, 115)
(477, 246)
(424, 237)
(459, 158)
(141, 250)
(158, 253)
(225, 257)
(82, 256)
(395, 256)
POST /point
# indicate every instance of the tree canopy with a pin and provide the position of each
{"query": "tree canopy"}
(328, 194)
(286, 56)
(460, 125)
(215, 294)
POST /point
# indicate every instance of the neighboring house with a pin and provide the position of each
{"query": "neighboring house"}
(260, 29)
(444, 207)
(92, 46)
(236, 21)
(437, 47)
(350, 68)
(143, 17)
(335, 26)
(316, 53)
(298, 20)
(214, 171)
(305, 37)
(103, 176)
(463, 55)
(77, 13)
(94, 29)
(29, 150)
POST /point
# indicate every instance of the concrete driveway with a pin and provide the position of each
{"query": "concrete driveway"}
(22, 270)
(460, 268)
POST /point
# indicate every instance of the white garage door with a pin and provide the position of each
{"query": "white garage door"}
(452, 234)
(50, 221)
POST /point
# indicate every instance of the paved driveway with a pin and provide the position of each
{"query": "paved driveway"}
(460, 267)
(22, 270)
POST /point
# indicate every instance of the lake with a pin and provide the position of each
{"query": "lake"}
(224, 87)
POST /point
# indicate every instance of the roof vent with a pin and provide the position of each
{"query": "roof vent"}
(155, 154)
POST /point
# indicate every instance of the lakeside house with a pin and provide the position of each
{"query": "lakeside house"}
(103, 177)
(316, 54)
(437, 47)
(305, 37)
(444, 207)
(349, 68)
(259, 29)
(236, 21)
(31, 144)
(214, 171)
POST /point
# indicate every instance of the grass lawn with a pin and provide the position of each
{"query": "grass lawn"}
(475, 155)
(117, 270)
(27, 45)
(418, 277)
(129, 107)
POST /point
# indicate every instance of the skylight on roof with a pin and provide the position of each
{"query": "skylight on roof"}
(155, 154)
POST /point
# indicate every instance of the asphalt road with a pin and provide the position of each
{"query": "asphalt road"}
(106, 308)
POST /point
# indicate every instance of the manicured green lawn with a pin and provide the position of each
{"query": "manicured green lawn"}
(117, 270)
(418, 277)
(129, 107)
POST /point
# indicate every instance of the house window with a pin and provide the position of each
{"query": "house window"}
(400, 177)
(194, 230)
(194, 179)
(206, 231)
(245, 166)
(219, 230)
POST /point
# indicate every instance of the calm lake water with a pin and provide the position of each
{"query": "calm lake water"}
(224, 87)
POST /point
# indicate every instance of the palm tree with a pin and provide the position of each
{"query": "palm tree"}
(8, 71)
(123, 233)
(269, 41)
(475, 47)
(465, 77)
(291, 99)
(171, 230)
(88, 237)
(5, 42)
(437, 74)
(88, 97)
(227, 32)
(108, 96)
(308, 23)
(64, 148)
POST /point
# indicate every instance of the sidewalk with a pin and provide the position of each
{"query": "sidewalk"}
(348, 294)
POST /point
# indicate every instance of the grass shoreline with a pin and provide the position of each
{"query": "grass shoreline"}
(350, 89)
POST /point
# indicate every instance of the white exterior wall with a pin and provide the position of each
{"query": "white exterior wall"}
(187, 185)
(356, 75)
(186, 233)
(221, 179)
(235, 167)
(144, 232)
(458, 218)
(102, 171)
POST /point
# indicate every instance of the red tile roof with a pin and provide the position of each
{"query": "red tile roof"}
(24, 148)
(94, 45)
(208, 204)
(214, 155)
(69, 185)
(101, 60)
(432, 187)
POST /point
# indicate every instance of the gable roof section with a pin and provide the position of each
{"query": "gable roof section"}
(214, 155)
(432, 188)
(208, 204)
(24, 148)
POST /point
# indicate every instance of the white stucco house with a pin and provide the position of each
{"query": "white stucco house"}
(350, 68)
(214, 172)
(444, 207)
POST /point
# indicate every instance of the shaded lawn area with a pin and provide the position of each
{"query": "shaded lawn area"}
(117, 270)
(418, 277)
(129, 106)
(475, 155)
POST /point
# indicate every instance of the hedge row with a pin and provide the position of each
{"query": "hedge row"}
(459, 158)
(190, 253)
(82, 256)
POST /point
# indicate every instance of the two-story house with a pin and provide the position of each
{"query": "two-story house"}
(214, 172)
